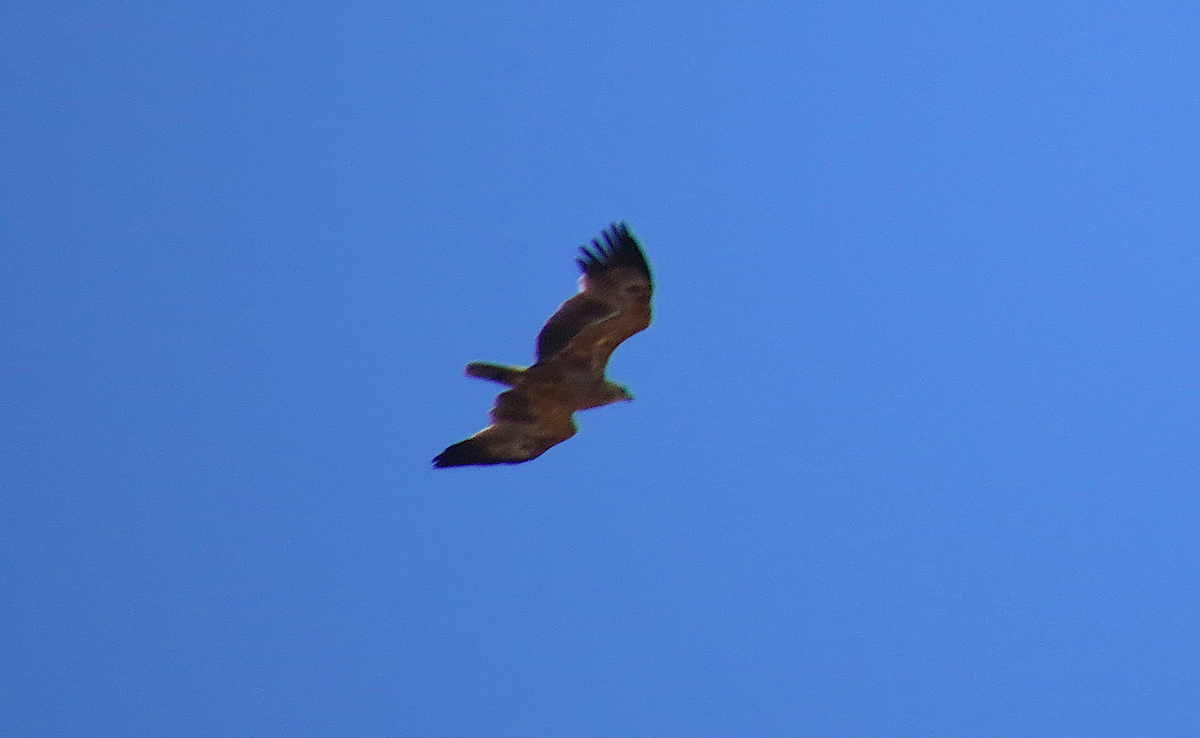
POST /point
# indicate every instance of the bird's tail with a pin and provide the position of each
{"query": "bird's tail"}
(507, 375)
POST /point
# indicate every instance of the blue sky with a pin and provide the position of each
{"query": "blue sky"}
(914, 449)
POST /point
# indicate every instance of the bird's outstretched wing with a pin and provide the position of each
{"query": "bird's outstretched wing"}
(522, 428)
(613, 303)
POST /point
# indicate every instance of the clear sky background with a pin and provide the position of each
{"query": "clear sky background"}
(915, 445)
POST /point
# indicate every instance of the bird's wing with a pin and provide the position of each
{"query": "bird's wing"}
(613, 303)
(523, 428)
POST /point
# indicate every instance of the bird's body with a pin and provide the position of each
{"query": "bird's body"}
(573, 349)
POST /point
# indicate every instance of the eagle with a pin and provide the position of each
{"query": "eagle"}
(573, 348)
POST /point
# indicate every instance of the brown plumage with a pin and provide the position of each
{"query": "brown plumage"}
(573, 349)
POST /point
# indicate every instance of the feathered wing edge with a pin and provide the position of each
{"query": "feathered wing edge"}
(612, 254)
(468, 453)
(620, 249)
(521, 430)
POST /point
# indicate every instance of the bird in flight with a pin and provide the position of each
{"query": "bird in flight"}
(573, 348)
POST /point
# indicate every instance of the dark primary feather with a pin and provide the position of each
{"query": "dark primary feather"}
(619, 249)
(469, 452)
